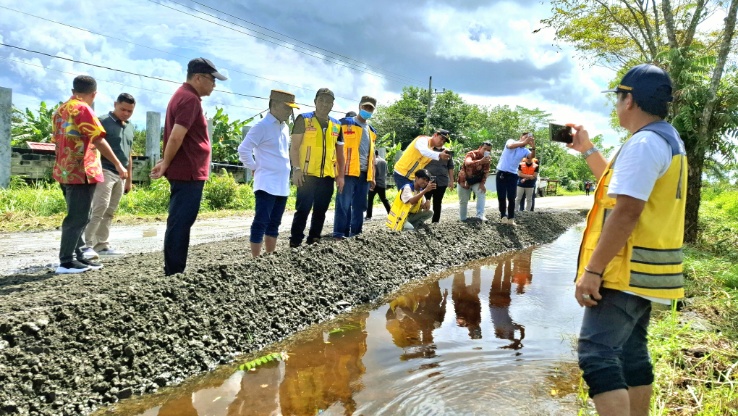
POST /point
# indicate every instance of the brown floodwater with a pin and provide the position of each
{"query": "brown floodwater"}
(492, 338)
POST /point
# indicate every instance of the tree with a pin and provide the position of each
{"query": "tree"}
(622, 33)
(227, 135)
(30, 126)
(405, 117)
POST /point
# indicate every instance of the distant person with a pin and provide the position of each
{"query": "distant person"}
(359, 138)
(631, 252)
(472, 178)
(380, 188)
(507, 174)
(527, 175)
(186, 161)
(587, 187)
(418, 154)
(317, 158)
(78, 136)
(410, 209)
(119, 135)
(443, 171)
(266, 151)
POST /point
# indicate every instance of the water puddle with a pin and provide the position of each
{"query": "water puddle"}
(494, 337)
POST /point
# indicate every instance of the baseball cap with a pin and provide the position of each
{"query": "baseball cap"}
(283, 97)
(324, 91)
(422, 174)
(367, 100)
(647, 83)
(204, 66)
(443, 133)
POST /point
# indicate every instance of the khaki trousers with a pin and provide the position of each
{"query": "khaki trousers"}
(104, 204)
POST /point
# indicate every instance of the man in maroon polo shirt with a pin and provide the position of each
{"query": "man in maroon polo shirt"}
(186, 159)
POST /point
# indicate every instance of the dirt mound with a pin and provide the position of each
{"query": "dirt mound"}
(69, 344)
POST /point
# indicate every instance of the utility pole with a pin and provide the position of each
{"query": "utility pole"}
(430, 101)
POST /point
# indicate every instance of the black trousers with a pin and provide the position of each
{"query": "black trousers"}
(507, 188)
(382, 192)
(79, 204)
(315, 194)
(437, 196)
(184, 205)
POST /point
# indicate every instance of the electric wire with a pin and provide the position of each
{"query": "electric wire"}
(278, 42)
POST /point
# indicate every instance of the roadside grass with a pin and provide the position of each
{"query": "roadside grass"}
(695, 350)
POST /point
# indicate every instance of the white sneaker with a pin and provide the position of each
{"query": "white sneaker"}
(110, 251)
(89, 254)
(483, 218)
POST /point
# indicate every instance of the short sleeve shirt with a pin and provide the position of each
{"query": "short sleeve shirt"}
(642, 160)
(192, 161)
(119, 136)
(439, 169)
(510, 158)
(76, 129)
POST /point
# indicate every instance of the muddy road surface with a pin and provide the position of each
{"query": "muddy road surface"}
(70, 344)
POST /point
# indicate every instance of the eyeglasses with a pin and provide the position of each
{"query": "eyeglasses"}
(209, 77)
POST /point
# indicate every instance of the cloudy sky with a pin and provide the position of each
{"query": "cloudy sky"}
(486, 51)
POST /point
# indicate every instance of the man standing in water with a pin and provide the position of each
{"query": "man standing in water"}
(631, 253)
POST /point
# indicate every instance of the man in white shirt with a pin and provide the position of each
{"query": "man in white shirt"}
(266, 151)
(507, 174)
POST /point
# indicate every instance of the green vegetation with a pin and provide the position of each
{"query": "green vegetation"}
(695, 350)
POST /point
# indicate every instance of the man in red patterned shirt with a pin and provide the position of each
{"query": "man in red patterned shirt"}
(78, 136)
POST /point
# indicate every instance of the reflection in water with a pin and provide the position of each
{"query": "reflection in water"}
(411, 319)
(354, 369)
(499, 305)
(467, 306)
(325, 372)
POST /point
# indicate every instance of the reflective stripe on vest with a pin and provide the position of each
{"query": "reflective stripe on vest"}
(412, 160)
(650, 264)
(352, 133)
(318, 147)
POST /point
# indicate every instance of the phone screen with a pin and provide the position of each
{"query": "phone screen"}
(560, 133)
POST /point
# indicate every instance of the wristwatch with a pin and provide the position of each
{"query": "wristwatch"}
(589, 152)
(296, 168)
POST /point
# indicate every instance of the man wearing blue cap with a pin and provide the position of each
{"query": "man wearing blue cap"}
(631, 253)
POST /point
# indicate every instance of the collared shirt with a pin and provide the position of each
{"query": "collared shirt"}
(192, 161)
(76, 129)
(473, 166)
(440, 168)
(380, 172)
(266, 151)
(119, 135)
(364, 145)
(510, 158)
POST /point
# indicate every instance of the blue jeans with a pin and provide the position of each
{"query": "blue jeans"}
(400, 180)
(268, 216)
(613, 350)
(350, 206)
(184, 205)
(507, 189)
(315, 194)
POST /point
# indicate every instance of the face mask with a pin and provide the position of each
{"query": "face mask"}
(365, 114)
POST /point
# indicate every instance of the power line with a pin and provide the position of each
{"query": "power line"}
(280, 43)
(157, 50)
(346, 58)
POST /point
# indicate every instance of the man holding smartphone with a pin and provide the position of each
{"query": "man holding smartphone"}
(631, 253)
(507, 174)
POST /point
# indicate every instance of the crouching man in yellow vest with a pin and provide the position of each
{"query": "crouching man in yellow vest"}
(631, 252)
(410, 209)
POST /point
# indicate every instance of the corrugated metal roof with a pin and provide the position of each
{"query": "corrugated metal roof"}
(41, 147)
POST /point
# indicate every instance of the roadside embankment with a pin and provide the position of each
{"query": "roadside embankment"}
(69, 344)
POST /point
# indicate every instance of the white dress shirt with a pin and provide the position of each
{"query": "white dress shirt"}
(266, 151)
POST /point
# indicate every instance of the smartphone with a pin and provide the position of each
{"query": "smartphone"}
(432, 179)
(560, 133)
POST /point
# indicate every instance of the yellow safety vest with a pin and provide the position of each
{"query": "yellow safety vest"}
(352, 132)
(318, 147)
(411, 160)
(400, 210)
(650, 264)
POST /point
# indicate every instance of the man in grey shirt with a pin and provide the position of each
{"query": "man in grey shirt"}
(119, 134)
(380, 187)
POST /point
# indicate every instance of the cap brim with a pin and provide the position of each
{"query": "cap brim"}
(369, 104)
(219, 76)
(293, 105)
(612, 90)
